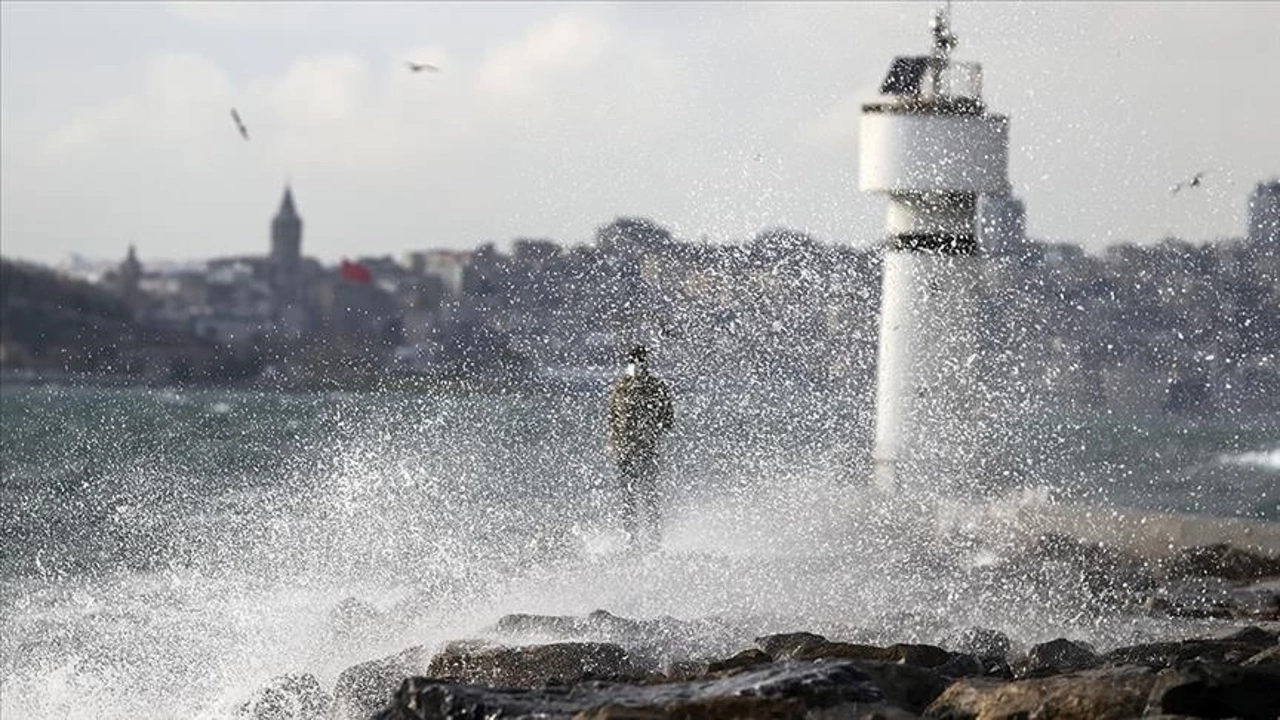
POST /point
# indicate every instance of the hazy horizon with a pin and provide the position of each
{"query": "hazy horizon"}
(549, 120)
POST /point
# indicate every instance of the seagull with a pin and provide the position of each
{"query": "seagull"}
(419, 67)
(1196, 181)
(244, 132)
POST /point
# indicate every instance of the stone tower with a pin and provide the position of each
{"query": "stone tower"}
(286, 265)
(128, 279)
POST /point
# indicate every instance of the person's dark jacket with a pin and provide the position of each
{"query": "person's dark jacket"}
(640, 411)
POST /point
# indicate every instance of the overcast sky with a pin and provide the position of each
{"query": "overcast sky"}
(548, 120)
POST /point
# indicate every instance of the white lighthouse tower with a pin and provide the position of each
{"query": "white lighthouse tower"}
(930, 145)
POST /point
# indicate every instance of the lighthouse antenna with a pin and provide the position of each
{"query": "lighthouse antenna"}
(944, 41)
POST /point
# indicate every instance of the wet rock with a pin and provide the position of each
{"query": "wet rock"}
(363, 689)
(777, 690)
(1170, 654)
(1219, 691)
(1259, 601)
(708, 709)
(1213, 597)
(353, 617)
(1223, 561)
(1105, 694)
(1270, 656)
(743, 660)
(912, 654)
(661, 639)
(868, 711)
(1253, 634)
(1055, 657)
(981, 642)
(288, 697)
(905, 686)
(787, 645)
(686, 670)
(532, 665)
(1103, 571)
(597, 625)
(1192, 598)
(964, 665)
(808, 646)
(522, 624)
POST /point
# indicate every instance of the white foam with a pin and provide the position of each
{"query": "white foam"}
(1262, 459)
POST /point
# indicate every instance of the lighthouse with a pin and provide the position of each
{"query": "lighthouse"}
(930, 145)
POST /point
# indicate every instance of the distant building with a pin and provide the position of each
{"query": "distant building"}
(286, 266)
(1264, 213)
(1001, 225)
(128, 280)
(448, 266)
(534, 253)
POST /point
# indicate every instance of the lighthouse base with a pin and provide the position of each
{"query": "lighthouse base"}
(927, 372)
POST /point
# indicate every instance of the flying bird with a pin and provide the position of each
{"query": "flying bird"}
(1196, 181)
(419, 67)
(244, 132)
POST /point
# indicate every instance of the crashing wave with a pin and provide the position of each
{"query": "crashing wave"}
(1264, 459)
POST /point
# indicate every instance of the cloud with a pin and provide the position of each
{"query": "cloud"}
(550, 53)
(181, 97)
(524, 138)
(321, 91)
(549, 120)
(216, 13)
(836, 129)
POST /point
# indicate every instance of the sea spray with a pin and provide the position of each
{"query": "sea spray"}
(181, 556)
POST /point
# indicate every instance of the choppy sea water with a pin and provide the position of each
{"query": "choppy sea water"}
(164, 552)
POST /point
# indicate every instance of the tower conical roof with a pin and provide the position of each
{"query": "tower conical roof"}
(287, 209)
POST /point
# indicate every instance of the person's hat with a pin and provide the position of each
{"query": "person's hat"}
(638, 352)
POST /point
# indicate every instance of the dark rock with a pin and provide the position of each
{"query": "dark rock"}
(1219, 691)
(905, 686)
(599, 625)
(964, 665)
(921, 655)
(779, 690)
(362, 689)
(808, 646)
(686, 670)
(288, 697)
(1170, 654)
(1270, 656)
(1224, 561)
(521, 624)
(1107, 694)
(704, 709)
(532, 665)
(999, 670)
(656, 640)
(871, 711)
(745, 659)
(1055, 657)
(353, 617)
(787, 645)
(985, 644)
(1253, 634)
(1196, 597)
(1103, 571)
(1260, 601)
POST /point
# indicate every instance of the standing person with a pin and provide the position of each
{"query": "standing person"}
(640, 412)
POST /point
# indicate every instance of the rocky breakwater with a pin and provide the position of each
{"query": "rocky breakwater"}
(604, 666)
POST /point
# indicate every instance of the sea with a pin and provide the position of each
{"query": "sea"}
(165, 552)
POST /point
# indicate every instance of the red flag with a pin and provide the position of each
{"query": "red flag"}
(355, 272)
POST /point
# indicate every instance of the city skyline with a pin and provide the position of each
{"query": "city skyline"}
(551, 120)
